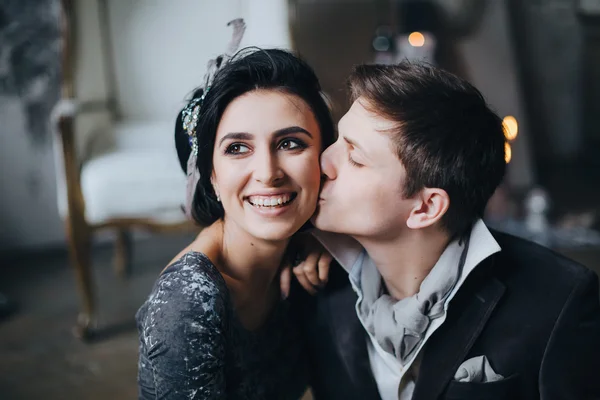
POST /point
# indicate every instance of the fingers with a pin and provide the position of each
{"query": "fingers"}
(285, 278)
(313, 272)
(324, 263)
(310, 266)
(303, 280)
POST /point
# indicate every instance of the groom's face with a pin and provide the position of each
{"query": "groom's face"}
(363, 179)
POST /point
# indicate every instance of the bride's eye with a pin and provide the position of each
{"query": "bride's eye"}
(237, 148)
(291, 144)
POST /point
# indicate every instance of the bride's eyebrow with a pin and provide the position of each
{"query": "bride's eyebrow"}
(236, 136)
(291, 129)
(278, 133)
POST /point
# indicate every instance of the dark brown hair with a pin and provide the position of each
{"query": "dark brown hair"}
(250, 69)
(445, 134)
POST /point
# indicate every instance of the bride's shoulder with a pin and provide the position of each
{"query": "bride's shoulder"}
(190, 288)
(193, 272)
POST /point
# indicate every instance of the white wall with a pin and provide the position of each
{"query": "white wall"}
(162, 47)
(28, 213)
(490, 60)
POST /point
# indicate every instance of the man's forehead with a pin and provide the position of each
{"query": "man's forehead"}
(362, 114)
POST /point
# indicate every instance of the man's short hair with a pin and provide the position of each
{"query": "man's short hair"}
(445, 134)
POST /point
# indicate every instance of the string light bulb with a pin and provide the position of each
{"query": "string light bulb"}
(416, 39)
(507, 152)
(511, 127)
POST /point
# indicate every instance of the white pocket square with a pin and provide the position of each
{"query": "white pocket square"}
(477, 370)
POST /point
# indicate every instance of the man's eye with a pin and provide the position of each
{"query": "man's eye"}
(352, 162)
(289, 144)
(237, 148)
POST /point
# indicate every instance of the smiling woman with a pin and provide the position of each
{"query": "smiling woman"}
(267, 177)
(214, 325)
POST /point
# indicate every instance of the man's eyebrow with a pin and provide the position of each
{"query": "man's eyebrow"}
(352, 143)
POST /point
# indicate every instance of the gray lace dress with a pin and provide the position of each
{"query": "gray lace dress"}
(192, 345)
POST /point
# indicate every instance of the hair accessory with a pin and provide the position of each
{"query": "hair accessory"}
(190, 120)
(191, 113)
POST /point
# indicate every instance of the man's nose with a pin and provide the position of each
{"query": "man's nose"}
(328, 159)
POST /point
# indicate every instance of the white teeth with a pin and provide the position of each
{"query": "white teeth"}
(269, 201)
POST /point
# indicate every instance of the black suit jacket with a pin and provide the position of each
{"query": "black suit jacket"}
(533, 313)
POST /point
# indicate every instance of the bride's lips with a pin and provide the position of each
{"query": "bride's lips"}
(271, 204)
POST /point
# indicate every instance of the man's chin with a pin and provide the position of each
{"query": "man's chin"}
(324, 220)
(313, 219)
(320, 221)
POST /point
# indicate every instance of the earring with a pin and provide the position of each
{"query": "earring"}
(218, 198)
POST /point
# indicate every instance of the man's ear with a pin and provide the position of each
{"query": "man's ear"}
(430, 206)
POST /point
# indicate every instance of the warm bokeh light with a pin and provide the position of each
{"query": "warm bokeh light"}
(507, 152)
(511, 127)
(416, 39)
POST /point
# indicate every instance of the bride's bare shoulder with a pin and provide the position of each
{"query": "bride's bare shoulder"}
(208, 241)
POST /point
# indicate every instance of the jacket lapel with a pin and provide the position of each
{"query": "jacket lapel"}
(448, 346)
(351, 342)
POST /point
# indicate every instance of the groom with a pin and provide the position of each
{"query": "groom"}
(430, 304)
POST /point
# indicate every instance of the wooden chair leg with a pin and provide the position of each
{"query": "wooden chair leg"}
(123, 253)
(79, 249)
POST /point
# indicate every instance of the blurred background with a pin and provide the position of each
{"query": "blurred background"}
(91, 191)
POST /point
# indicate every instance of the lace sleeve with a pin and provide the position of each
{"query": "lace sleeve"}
(182, 347)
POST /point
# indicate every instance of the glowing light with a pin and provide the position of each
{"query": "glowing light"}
(511, 127)
(416, 39)
(381, 44)
(507, 152)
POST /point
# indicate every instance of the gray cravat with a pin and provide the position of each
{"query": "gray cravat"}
(399, 326)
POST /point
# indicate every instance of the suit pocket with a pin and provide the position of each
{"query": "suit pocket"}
(507, 388)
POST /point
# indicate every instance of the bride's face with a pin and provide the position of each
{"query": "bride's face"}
(266, 163)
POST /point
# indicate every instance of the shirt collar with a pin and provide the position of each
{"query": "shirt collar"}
(351, 255)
